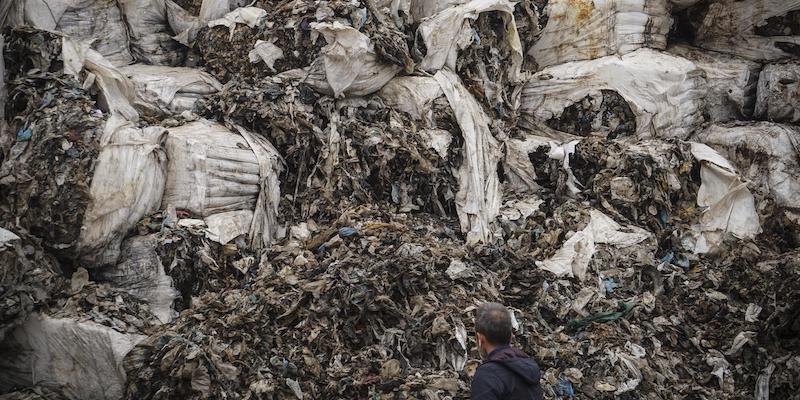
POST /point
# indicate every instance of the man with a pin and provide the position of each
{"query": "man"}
(506, 373)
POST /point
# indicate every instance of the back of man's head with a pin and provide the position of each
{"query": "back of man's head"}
(493, 321)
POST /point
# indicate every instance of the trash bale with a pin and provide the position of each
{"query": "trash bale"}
(587, 30)
(732, 83)
(76, 344)
(109, 177)
(599, 97)
(779, 93)
(231, 180)
(759, 30)
(651, 183)
(767, 155)
(163, 91)
(29, 278)
(100, 23)
(141, 273)
(81, 359)
(151, 39)
(356, 340)
(128, 183)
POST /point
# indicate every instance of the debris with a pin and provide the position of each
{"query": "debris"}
(306, 199)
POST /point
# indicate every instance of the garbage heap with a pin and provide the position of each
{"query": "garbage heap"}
(221, 199)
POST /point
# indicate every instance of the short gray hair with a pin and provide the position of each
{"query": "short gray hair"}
(493, 320)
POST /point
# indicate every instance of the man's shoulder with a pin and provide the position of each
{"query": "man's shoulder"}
(489, 368)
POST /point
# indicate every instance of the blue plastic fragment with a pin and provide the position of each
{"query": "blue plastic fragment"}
(564, 388)
(668, 258)
(347, 232)
(610, 285)
(24, 134)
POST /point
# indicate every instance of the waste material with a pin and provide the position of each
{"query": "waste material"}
(664, 93)
(759, 30)
(778, 88)
(213, 199)
(587, 30)
(731, 83)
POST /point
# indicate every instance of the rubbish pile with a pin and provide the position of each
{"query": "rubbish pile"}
(264, 200)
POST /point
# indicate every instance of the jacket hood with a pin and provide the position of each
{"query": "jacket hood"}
(518, 362)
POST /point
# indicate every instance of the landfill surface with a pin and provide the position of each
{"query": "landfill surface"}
(219, 199)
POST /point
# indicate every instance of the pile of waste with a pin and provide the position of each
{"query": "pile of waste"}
(219, 199)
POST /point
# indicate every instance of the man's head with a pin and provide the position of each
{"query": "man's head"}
(493, 327)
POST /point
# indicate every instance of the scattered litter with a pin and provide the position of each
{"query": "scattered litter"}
(216, 199)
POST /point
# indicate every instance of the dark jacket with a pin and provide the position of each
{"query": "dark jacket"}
(507, 374)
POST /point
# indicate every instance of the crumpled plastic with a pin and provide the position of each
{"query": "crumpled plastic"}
(162, 90)
(731, 206)
(478, 196)
(349, 63)
(572, 259)
(447, 32)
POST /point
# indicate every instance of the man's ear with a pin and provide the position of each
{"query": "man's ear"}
(481, 339)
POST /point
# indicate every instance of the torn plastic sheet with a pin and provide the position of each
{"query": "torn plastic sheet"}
(762, 383)
(141, 273)
(729, 26)
(778, 97)
(127, 185)
(589, 29)
(348, 64)
(224, 227)
(117, 92)
(666, 93)
(770, 160)
(562, 152)
(266, 52)
(164, 90)
(449, 31)
(730, 205)
(413, 95)
(732, 82)
(478, 197)
(520, 173)
(573, 258)
(250, 16)
(81, 359)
